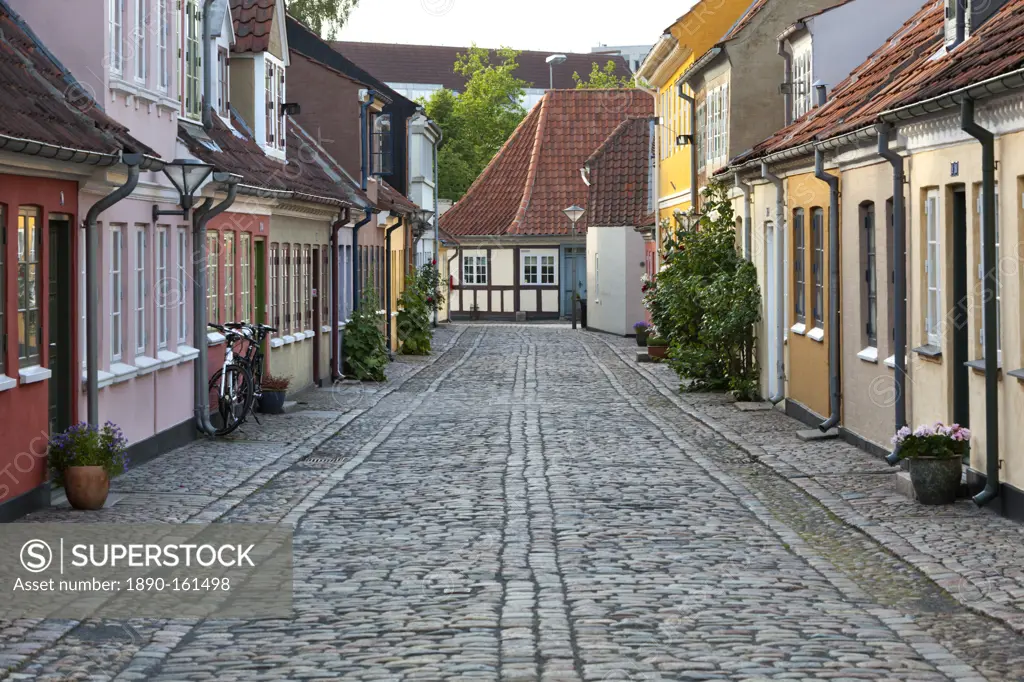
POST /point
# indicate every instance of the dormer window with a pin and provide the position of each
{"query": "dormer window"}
(192, 62)
(381, 149)
(223, 81)
(802, 74)
(275, 93)
(116, 35)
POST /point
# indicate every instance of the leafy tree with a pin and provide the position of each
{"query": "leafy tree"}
(602, 79)
(477, 121)
(706, 300)
(324, 17)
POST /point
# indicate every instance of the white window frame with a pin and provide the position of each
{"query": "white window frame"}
(700, 135)
(531, 276)
(212, 269)
(933, 269)
(182, 284)
(981, 279)
(802, 96)
(229, 276)
(141, 293)
(245, 275)
(545, 262)
(474, 270)
(116, 54)
(276, 87)
(717, 112)
(191, 61)
(162, 253)
(163, 39)
(223, 81)
(140, 43)
(116, 292)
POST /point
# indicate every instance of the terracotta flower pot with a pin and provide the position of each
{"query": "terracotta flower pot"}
(86, 487)
(936, 479)
(658, 352)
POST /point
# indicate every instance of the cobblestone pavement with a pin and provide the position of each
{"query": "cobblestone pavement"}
(530, 504)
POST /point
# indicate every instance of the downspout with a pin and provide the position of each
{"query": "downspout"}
(787, 93)
(334, 321)
(364, 148)
(899, 247)
(207, 66)
(989, 265)
(780, 283)
(694, 197)
(833, 289)
(437, 209)
(387, 276)
(92, 284)
(200, 219)
(745, 188)
(355, 256)
(657, 181)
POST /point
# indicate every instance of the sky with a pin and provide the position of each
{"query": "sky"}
(555, 25)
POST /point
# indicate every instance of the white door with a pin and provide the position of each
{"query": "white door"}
(772, 302)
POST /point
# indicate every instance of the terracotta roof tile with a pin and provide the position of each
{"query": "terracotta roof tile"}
(620, 177)
(536, 173)
(43, 103)
(390, 199)
(911, 66)
(308, 171)
(254, 20)
(434, 64)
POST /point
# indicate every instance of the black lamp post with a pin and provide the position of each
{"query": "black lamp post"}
(574, 213)
(187, 176)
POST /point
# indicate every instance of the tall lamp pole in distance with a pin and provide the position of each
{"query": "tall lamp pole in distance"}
(574, 213)
(552, 61)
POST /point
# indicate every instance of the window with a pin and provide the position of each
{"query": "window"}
(474, 270)
(801, 85)
(163, 38)
(870, 285)
(212, 280)
(382, 151)
(890, 285)
(245, 276)
(229, 277)
(223, 63)
(116, 292)
(701, 134)
(192, 67)
(275, 93)
(325, 286)
(183, 278)
(140, 291)
(139, 41)
(275, 304)
(3, 289)
(799, 260)
(162, 248)
(818, 265)
(30, 281)
(116, 35)
(547, 269)
(993, 271)
(931, 267)
(531, 275)
(296, 277)
(717, 124)
(307, 288)
(286, 284)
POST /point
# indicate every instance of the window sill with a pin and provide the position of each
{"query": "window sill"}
(146, 364)
(324, 329)
(214, 338)
(187, 353)
(799, 328)
(890, 362)
(978, 366)
(309, 333)
(929, 351)
(288, 339)
(7, 383)
(276, 343)
(869, 354)
(123, 372)
(103, 379)
(1017, 374)
(817, 334)
(167, 359)
(33, 374)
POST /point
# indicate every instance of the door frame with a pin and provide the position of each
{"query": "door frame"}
(60, 324)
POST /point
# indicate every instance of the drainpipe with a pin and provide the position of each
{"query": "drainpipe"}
(694, 198)
(364, 147)
(335, 269)
(437, 208)
(200, 219)
(899, 247)
(369, 211)
(989, 265)
(780, 283)
(787, 94)
(207, 66)
(92, 284)
(387, 275)
(745, 188)
(833, 289)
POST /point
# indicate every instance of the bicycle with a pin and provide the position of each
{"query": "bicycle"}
(237, 385)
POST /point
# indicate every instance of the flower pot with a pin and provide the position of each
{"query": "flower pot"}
(936, 479)
(641, 337)
(86, 487)
(657, 352)
(272, 402)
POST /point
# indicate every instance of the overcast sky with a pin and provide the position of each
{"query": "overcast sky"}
(555, 25)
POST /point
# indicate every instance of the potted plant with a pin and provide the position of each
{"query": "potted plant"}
(657, 346)
(82, 460)
(274, 390)
(935, 454)
(641, 329)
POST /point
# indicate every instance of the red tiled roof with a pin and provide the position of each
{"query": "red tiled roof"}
(908, 68)
(42, 102)
(536, 174)
(309, 170)
(390, 199)
(434, 64)
(254, 20)
(620, 177)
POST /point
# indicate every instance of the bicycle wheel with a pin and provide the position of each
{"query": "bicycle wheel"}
(231, 406)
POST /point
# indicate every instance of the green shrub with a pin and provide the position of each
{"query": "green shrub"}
(429, 281)
(706, 300)
(414, 330)
(365, 346)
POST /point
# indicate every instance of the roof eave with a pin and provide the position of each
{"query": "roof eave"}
(698, 66)
(992, 87)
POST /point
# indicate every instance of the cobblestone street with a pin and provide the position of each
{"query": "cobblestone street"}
(529, 503)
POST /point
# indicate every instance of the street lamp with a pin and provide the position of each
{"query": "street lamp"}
(574, 213)
(552, 61)
(187, 175)
(423, 217)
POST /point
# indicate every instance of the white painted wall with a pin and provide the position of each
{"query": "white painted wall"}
(615, 264)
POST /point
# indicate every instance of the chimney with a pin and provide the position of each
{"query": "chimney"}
(820, 94)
